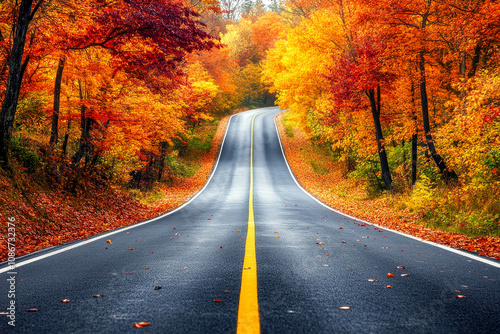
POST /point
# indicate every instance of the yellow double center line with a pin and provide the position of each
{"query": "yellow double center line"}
(248, 308)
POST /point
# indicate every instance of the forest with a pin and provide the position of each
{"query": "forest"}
(125, 101)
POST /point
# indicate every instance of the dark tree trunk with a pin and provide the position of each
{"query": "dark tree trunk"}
(16, 71)
(414, 138)
(475, 60)
(54, 136)
(85, 146)
(375, 108)
(448, 175)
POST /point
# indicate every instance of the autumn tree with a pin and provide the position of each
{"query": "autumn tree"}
(17, 67)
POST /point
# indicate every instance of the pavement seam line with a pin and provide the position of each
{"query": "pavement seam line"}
(248, 307)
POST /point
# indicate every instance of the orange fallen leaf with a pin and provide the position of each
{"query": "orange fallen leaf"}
(141, 324)
(146, 268)
(344, 308)
(109, 241)
(227, 291)
(460, 296)
(390, 275)
(130, 248)
(388, 286)
(64, 300)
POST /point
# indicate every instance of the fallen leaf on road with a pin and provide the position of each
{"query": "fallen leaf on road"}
(400, 267)
(64, 300)
(388, 286)
(217, 301)
(157, 287)
(141, 324)
(390, 275)
(344, 308)
(460, 296)
(32, 309)
(130, 248)
(109, 241)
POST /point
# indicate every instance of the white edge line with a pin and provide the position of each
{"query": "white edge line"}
(448, 248)
(107, 234)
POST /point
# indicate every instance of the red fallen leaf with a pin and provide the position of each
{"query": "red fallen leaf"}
(217, 301)
(388, 286)
(400, 267)
(157, 287)
(220, 246)
(146, 268)
(32, 309)
(350, 269)
(341, 228)
(64, 300)
(457, 291)
(344, 308)
(460, 296)
(344, 242)
(109, 241)
(141, 324)
(390, 275)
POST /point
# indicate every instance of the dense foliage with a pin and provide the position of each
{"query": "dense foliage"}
(405, 95)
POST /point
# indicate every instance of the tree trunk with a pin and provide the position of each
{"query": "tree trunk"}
(66, 137)
(16, 70)
(448, 175)
(85, 125)
(54, 136)
(375, 108)
(414, 138)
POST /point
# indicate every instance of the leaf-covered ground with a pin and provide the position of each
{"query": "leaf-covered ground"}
(324, 180)
(44, 219)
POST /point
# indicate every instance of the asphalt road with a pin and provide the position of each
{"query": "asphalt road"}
(311, 261)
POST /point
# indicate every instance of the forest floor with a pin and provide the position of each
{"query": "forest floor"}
(45, 218)
(320, 176)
